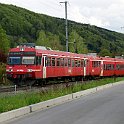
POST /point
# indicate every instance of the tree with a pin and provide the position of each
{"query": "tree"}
(42, 40)
(49, 40)
(4, 42)
(2, 73)
(104, 52)
(19, 22)
(76, 43)
(2, 57)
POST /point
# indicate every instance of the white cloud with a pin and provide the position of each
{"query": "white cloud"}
(75, 15)
(98, 22)
(87, 18)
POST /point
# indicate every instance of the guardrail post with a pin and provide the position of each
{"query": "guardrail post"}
(30, 107)
(15, 89)
(96, 88)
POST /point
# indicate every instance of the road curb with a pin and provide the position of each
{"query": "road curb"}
(49, 103)
(14, 113)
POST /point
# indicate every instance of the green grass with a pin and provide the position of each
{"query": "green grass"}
(10, 102)
(95, 83)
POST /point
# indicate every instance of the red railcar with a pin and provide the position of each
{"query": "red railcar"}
(30, 63)
(95, 66)
(26, 63)
(119, 67)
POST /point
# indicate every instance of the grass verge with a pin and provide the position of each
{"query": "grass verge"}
(10, 102)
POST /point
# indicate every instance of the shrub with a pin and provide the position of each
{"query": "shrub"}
(3, 73)
(2, 57)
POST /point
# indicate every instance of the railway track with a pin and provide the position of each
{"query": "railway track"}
(52, 85)
(15, 89)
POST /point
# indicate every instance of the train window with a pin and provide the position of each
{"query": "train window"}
(99, 64)
(76, 63)
(120, 67)
(73, 64)
(104, 66)
(53, 61)
(109, 66)
(79, 63)
(14, 53)
(28, 60)
(65, 61)
(14, 60)
(48, 61)
(117, 67)
(112, 66)
(62, 61)
(69, 62)
(96, 64)
(82, 63)
(38, 60)
(58, 61)
(29, 53)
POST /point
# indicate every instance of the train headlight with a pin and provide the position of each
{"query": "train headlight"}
(9, 70)
(29, 70)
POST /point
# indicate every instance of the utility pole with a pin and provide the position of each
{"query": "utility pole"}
(66, 24)
(75, 46)
(122, 29)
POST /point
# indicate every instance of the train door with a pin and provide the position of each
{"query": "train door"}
(101, 74)
(85, 64)
(44, 66)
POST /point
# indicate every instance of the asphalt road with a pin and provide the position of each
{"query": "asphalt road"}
(103, 107)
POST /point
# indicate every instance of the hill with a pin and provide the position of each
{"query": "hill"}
(22, 25)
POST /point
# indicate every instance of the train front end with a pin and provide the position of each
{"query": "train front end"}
(21, 65)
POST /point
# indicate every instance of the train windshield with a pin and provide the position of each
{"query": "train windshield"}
(28, 60)
(14, 60)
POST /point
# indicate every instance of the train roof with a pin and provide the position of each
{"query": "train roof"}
(40, 50)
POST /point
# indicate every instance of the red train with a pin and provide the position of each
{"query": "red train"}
(29, 63)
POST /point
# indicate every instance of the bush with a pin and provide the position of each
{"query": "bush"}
(3, 74)
(2, 57)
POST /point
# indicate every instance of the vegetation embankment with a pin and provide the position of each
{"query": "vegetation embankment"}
(3, 79)
(4, 47)
(10, 102)
(21, 26)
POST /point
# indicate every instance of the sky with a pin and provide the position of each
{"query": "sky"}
(107, 14)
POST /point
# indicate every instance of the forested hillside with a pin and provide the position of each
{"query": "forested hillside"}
(20, 25)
